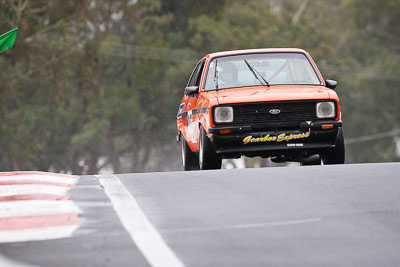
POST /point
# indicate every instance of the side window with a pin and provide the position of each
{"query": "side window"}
(196, 75)
(180, 110)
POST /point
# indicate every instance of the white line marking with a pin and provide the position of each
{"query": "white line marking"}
(243, 226)
(44, 178)
(11, 263)
(14, 173)
(36, 207)
(142, 232)
(34, 234)
(12, 190)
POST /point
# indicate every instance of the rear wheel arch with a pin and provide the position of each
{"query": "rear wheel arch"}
(183, 136)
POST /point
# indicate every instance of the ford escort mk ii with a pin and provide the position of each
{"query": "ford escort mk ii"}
(259, 102)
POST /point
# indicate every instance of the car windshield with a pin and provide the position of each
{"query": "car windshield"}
(260, 69)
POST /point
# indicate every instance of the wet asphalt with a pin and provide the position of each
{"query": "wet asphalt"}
(338, 215)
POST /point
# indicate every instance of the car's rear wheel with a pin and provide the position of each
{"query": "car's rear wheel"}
(190, 161)
(312, 160)
(337, 154)
(208, 157)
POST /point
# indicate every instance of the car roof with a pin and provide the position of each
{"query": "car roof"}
(255, 51)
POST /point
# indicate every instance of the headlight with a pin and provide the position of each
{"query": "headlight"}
(325, 110)
(223, 114)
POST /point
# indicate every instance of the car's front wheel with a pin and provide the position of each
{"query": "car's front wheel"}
(208, 157)
(189, 159)
(336, 155)
(312, 160)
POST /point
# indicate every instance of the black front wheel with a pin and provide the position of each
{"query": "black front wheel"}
(189, 159)
(208, 157)
(337, 154)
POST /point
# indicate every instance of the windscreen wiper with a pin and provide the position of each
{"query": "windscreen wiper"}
(255, 72)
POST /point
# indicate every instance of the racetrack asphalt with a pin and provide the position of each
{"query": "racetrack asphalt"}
(338, 215)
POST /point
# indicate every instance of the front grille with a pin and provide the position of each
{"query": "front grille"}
(258, 113)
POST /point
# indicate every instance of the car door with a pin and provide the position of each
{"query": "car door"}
(191, 117)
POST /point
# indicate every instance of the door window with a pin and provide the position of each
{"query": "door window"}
(196, 75)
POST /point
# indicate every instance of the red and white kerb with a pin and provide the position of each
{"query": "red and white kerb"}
(36, 206)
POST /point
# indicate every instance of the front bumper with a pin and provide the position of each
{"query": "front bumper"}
(288, 139)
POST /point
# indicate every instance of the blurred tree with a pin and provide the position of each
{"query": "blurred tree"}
(41, 102)
(91, 84)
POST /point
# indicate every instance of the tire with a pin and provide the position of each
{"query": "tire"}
(312, 160)
(190, 161)
(337, 154)
(208, 157)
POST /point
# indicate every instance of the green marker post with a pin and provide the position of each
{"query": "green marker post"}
(7, 40)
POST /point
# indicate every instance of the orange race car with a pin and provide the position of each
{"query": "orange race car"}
(259, 102)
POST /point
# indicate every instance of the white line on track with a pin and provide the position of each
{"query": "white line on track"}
(142, 232)
(44, 178)
(244, 226)
(34, 234)
(11, 263)
(36, 208)
(12, 190)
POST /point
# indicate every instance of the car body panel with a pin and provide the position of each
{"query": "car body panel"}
(275, 93)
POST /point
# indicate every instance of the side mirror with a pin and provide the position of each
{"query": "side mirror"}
(190, 90)
(331, 84)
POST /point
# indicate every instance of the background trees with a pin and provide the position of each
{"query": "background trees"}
(96, 84)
